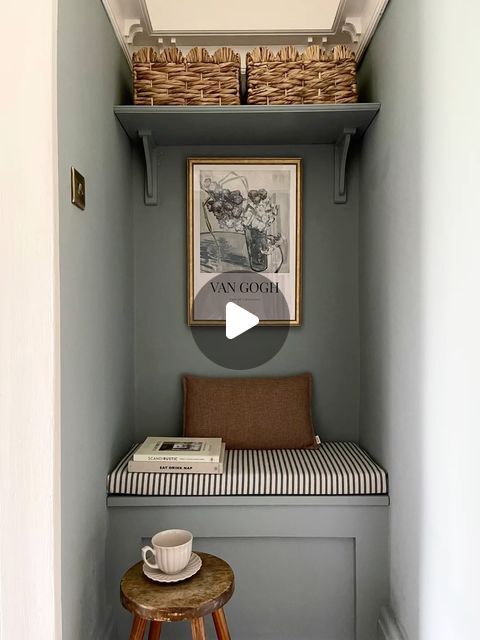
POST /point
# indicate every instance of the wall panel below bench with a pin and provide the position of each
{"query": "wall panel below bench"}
(303, 572)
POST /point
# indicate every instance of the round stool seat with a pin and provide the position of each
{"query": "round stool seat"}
(202, 594)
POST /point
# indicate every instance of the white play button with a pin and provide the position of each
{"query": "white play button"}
(238, 320)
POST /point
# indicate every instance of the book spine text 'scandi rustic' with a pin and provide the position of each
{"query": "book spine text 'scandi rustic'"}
(158, 457)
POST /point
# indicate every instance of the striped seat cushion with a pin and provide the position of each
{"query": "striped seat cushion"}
(334, 469)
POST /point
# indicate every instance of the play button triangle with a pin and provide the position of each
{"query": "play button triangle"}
(238, 320)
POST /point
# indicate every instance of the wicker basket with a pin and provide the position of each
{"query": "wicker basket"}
(313, 77)
(167, 77)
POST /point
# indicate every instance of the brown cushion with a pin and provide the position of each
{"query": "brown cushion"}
(250, 413)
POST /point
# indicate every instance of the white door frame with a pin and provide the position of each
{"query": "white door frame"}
(30, 603)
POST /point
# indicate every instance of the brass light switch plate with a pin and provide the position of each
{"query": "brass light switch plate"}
(78, 189)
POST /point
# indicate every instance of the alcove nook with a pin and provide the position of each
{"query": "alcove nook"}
(124, 337)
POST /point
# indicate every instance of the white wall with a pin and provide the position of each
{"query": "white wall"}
(450, 558)
(29, 371)
(420, 263)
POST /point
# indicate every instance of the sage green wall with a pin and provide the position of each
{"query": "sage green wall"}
(96, 280)
(391, 290)
(326, 344)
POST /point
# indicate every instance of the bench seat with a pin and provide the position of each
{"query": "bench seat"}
(334, 469)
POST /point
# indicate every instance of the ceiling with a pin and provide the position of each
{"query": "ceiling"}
(244, 24)
(247, 15)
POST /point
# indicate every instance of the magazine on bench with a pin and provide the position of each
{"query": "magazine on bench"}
(162, 449)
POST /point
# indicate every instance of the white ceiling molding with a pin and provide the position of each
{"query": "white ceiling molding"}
(130, 29)
(158, 23)
(353, 26)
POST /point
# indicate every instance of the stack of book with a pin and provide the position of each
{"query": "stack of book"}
(179, 455)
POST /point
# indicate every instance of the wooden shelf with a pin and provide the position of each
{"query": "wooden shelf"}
(246, 125)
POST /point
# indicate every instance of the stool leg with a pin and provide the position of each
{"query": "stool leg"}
(138, 628)
(155, 628)
(198, 629)
(221, 626)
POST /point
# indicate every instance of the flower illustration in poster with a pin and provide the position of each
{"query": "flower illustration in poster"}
(244, 218)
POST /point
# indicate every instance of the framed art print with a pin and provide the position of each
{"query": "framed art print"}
(244, 238)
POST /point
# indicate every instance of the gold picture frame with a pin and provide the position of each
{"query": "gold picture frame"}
(271, 213)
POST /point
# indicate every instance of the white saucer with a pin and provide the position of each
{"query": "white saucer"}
(190, 570)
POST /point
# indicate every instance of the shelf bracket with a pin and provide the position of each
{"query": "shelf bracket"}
(341, 154)
(151, 169)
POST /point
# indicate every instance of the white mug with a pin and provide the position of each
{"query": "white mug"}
(171, 550)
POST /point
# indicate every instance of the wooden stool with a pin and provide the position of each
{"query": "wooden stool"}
(204, 593)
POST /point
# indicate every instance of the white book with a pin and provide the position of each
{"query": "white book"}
(178, 467)
(162, 449)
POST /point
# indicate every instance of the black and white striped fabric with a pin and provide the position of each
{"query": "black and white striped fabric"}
(334, 469)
